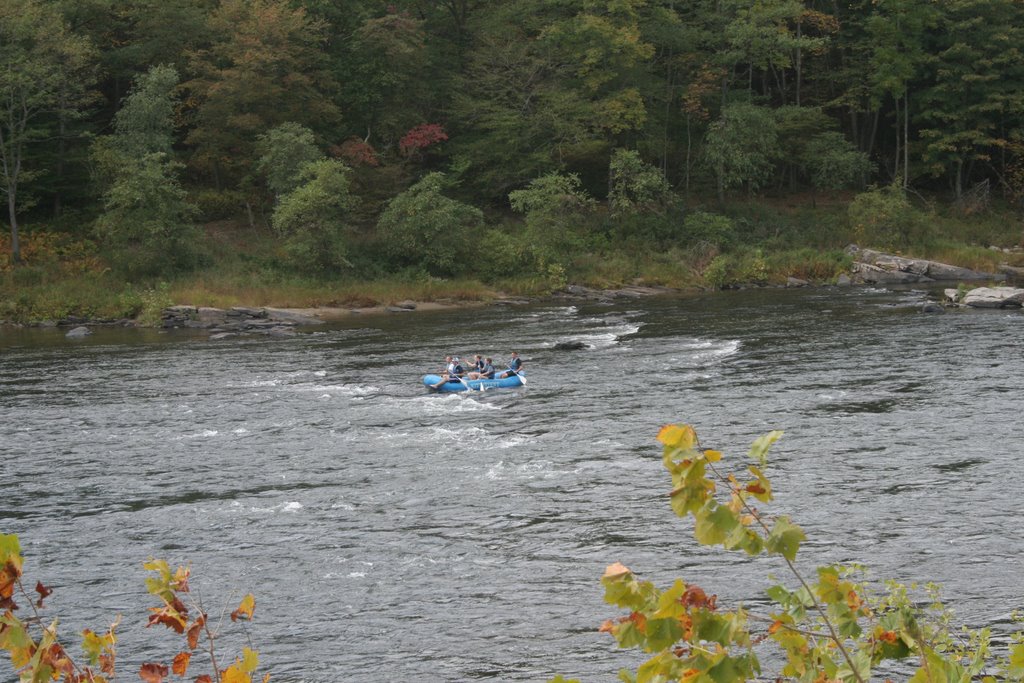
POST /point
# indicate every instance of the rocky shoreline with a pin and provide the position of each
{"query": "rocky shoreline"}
(870, 267)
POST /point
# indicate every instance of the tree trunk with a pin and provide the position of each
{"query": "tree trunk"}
(58, 170)
(906, 139)
(15, 246)
(799, 59)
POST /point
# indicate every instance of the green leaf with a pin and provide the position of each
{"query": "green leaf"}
(9, 548)
(628, 635)
(714, 523)
(1016, 661)
(669, 602)
(785, 538)
(663, 633)
(759, 449)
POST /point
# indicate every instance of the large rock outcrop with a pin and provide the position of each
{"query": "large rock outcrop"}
(875, 267)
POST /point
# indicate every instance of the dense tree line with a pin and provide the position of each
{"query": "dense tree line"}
(135, 119)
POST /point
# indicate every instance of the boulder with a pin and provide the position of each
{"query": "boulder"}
(574, 345)
(994, 297)
(285, 315)
(78, 332)
(932, 307)
(211, 316)
(872, 274)
(796, 282)
(871, 265)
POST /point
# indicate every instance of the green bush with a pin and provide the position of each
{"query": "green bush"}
(215, 205)
(884, 218)
(422, 227)
(312, 218)
(712, 228)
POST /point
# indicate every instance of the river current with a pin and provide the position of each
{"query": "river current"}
(390, 534)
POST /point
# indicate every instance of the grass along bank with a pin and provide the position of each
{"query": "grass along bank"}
(761, 242)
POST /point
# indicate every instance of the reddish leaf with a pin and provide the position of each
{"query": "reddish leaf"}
(421, 137)
(180, 664)
(44, 592)
(356, 152)
(168, 618)
(151, 672)
(245, 608)
(203, 679)
(195, 630)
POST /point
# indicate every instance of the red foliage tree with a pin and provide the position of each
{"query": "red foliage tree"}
(420, 137)
(356, 152)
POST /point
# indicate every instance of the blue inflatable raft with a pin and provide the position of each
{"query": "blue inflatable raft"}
(473, 384)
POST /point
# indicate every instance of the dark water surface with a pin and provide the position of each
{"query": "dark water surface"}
(392, 535)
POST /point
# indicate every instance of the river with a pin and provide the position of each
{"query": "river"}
(391, 534)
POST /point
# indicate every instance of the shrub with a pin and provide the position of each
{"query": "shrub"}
(712, 228)
(38, 655)
(311, 218)
(558, 214)
(830, 626)
(884, 218)
(423, 227)
(147, 222)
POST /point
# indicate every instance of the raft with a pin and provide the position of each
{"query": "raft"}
(509, 382)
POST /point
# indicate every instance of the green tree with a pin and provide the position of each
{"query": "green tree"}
(312, 218)
(557, 210)
(832, 162)
(897, 30)
(145, 122)
(147, 221)
(390, 91)
(742, 147)
(976, 102)
(264, 68)
(44, 68)
(422, 227)
(284, 152)
(635, 185)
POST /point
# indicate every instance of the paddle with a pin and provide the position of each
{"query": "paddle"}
(522, 378)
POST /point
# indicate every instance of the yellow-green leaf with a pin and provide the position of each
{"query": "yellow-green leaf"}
(785, 538)
(759, 449)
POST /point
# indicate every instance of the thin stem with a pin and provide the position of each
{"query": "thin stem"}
(792, 568)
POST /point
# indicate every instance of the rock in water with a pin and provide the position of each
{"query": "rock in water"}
(78, 332)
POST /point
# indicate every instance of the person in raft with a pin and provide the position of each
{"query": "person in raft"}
(514, 366)
(484, 369)
(478, 367)
(453, 371)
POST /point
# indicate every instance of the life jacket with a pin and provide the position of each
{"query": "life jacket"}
(515, 364)
(487, 371)
(458, 370)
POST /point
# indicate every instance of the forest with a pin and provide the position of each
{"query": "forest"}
(343, 151)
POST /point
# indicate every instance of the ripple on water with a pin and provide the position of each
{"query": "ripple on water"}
(397, 534)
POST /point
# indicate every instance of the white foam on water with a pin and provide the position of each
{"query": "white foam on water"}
(537, 469)
(292, 507)
(240, 430)
(455, 402)
(205, 434)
